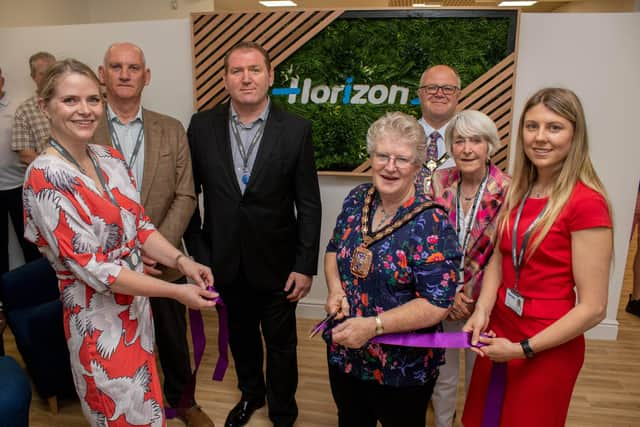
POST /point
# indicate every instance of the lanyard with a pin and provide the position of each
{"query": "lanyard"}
(518, 259)
(118, 146)
(133, 259)
(64, 153)
(460, 220)
(245, 155)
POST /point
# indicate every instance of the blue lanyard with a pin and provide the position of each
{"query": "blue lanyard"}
(118, 146)
(245, 154)
(518, 259)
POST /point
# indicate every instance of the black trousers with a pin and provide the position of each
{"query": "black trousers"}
(364, 403)
(252, 316)
(170, 327)
(11, 207)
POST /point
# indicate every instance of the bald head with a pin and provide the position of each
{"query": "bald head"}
(124, 73)
(115, 47)
(437, 106)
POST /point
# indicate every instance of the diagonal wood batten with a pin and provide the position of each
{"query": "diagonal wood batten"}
(213, 34)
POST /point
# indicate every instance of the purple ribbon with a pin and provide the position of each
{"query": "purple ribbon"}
(199, 343)
(497, 381)
(432, 340)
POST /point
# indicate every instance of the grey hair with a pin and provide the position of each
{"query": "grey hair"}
(402, 125)
(468, 123)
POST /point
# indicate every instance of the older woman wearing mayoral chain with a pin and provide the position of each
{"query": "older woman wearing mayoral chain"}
(390, 267)
(84, 213)
(554, 235)
(473, 192)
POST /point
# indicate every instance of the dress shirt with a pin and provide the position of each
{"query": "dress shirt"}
(247, 132)
(127, 137)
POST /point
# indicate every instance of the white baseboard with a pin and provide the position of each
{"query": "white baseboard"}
(310, 308)
(607, 330)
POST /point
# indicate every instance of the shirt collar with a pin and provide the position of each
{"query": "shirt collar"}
(261, 117)
(429, 129)
(114, 117)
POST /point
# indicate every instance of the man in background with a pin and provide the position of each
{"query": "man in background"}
(156, 150)
(11, 179)
(30, 127)
(439, 92)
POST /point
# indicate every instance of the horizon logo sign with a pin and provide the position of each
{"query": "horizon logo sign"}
(349, 93)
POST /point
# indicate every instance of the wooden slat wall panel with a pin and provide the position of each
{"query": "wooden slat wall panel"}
(213, 34)
(282, 33)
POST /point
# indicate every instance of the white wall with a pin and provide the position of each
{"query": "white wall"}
(166, 45)
(599, 6)
(136, 10)
(598, 57)
(555, 49)
(15, 13)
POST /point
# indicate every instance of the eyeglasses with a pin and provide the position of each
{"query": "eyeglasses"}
(433, 89)
(401, 162)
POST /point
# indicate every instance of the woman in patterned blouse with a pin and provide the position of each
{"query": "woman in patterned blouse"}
(390, 267)
(83, 211)
(473, 192)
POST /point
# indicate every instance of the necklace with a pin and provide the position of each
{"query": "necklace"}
(385, 217)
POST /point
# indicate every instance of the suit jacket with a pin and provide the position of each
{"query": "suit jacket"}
(167, 192)
(482, 240)
(274, 227)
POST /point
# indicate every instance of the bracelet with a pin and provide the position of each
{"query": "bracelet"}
(528, 351)
(379, 326)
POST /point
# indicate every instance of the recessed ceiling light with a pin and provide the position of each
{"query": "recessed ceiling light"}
(517, 3)
(427, 5)
(284, 3)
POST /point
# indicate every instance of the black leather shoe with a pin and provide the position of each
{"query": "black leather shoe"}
(241, 413)
(633, 306)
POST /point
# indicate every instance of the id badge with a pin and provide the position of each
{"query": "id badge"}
(514, 301)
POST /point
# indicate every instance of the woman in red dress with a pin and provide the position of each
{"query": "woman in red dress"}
(555, 236)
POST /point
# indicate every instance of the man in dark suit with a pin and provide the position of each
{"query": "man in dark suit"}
(161, 165)
(254, 164)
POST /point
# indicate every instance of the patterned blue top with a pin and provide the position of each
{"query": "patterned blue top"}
(418, 260)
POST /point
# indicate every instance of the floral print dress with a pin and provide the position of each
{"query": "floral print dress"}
(88, 240)
(418, 260)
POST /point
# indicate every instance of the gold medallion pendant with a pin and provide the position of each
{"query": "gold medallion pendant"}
(361, 261)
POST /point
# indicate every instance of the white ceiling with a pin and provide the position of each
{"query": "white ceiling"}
(541, 6)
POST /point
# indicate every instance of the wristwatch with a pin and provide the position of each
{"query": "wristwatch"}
(528, 351)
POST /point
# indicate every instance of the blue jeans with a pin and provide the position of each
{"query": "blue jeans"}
(15, 394)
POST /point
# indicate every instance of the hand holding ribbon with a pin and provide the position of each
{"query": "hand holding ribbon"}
(200, 274)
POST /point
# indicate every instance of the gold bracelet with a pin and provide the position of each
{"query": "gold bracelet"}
(379, 326)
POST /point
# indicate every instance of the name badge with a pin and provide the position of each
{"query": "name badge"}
(514, 301)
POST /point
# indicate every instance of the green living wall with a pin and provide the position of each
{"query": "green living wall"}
(387, 52)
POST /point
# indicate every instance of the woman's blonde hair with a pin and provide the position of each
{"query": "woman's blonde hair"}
(61, 68)
(576, 166)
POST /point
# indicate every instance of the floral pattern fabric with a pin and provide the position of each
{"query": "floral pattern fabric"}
(444, 190)
(88, 240)
(418, 260)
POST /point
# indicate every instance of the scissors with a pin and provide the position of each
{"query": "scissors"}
(320, 326)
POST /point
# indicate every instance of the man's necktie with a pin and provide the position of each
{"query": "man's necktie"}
(432, 146)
